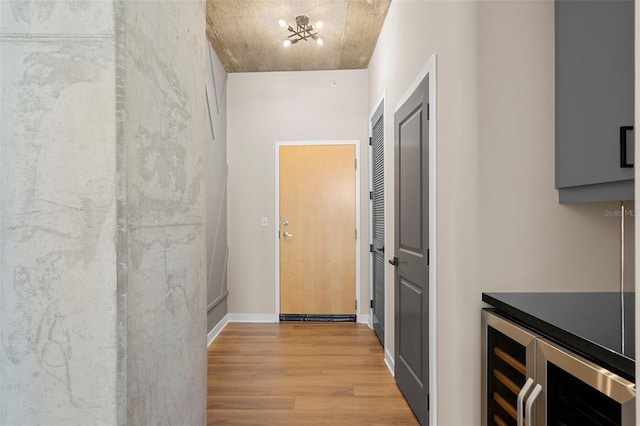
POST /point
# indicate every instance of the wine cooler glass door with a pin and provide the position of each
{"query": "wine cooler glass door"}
(579, 392)
(508, 371)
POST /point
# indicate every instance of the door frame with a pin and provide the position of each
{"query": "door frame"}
(429, 70)
(278, 144)
(382, 100)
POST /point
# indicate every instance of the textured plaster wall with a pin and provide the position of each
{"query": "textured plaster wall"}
(165, 123)
(102, 213)
(58, 328)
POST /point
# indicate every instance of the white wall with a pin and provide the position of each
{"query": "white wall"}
(290, 106)
(500, 227)
(216, 83)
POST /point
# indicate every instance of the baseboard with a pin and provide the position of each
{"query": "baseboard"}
(363, 319)
(217, 329)
(253, 317)
(388, 359)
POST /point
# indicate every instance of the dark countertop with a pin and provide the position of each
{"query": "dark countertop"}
(590, 324)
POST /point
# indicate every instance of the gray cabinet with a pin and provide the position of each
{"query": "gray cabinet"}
(594, 82)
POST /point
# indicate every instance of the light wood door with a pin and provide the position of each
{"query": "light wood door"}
(318, 251)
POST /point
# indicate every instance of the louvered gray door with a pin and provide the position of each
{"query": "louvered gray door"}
(377, 215)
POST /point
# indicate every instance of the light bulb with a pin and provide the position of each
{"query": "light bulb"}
(320, 41)
(282, 23)
(319, 24)
(286, 43)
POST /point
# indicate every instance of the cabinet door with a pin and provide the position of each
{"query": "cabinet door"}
(508, 361)
(594, 43)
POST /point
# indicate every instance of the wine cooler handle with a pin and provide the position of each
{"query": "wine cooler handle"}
(523, 392)
(532, 398)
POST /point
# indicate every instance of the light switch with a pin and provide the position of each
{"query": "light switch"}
(264, 222)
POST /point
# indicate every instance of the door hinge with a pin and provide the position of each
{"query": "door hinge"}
(370, 140)
(371, 303)
(428, 116)
(356, 304)
(355, 163)
(371, 195)
(428, 260)
(428, 408)
(370, 248)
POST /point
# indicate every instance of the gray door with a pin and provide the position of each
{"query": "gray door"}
(411, 130)
(377, 220)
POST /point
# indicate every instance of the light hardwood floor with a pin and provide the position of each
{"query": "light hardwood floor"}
(302, 374)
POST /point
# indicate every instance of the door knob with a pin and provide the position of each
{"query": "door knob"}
(287, 235)
(394, 261)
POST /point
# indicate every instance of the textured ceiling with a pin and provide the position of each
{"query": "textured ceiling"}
(247, 38)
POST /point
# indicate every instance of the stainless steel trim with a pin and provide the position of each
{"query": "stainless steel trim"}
(599, 378)
(517, 333)
(508, 328)
(532, 398)
(513, 331)
(523, 392)
(604, 381)
(483, 371)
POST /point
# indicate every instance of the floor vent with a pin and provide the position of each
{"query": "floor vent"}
(317, 318)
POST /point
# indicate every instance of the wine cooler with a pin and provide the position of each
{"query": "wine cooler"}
(529, 380)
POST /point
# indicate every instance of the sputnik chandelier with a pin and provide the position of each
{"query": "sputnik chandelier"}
(303, 31)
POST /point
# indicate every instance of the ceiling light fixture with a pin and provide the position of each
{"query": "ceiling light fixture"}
(303, 31)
